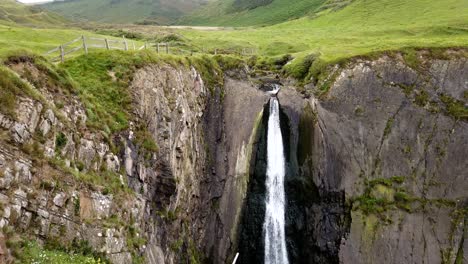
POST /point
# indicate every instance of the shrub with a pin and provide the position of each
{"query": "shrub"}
(60, 141)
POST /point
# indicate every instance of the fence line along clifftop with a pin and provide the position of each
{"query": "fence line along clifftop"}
(85, 43)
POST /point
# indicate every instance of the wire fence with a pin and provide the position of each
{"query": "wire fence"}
(86, 43)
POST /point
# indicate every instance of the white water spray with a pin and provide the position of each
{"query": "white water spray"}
(273, 227)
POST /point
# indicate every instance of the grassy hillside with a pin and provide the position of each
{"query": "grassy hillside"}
(38, 40)
(125, 11)
(14, 12)
(248, 13)
(361, 27)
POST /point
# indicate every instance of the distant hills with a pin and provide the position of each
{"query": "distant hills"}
(193, 12)
(125, 11)
(14, 12)
(258, 12)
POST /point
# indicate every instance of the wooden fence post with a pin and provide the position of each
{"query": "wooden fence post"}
(216, 52)
(85, 47)
(62, 54)
(125, 43)
(167, 48)
(133, 43)
(158, 48)
(107, 44)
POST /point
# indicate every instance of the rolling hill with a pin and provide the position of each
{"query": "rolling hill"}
(125, 11)
(14, 12)
(258, 12)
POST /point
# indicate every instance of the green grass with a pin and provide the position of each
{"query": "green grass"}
(41, 40)
(456, 109)
(33, 253)
(14, 12)
(124, 11)
(363, 27)
(10, 87)
(227, 13)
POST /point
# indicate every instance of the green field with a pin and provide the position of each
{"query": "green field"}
(36, 30)
(223, 13)
(362, 27)
(40, 40)
(125, 11)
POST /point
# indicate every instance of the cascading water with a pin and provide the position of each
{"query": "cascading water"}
(274, 234)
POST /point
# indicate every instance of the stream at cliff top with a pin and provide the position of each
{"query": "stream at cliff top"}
(274, 225)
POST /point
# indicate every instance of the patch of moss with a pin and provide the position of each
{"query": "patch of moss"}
(412, 59)
(454, 108)
(380, 195)
(359, 110)
(388, 127)
(407, 89)
(422, 98)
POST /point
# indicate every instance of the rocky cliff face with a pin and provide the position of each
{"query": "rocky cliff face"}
(390, 139)
(376, 168)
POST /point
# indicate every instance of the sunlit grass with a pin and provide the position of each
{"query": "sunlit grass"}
(363, 27)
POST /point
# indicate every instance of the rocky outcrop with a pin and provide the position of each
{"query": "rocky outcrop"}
(387, 139)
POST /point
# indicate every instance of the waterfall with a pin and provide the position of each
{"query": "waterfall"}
(275, 238)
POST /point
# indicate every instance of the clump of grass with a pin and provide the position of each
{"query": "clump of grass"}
(106, 181)
(422, 98)
(386, 181)
(209, 69)
(10, 88)
(145, 140)
(412, 59)
(368, 203)
(228, 62)
(300, 67)
(454, 108)
(60, 141)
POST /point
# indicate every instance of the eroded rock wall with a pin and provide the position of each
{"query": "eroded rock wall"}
(386, 137)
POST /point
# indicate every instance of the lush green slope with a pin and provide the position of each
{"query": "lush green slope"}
(14, 12)
(125, 11)
(248, 13)
(359, 28)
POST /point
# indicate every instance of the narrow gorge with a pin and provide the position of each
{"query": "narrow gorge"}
(373, 170)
